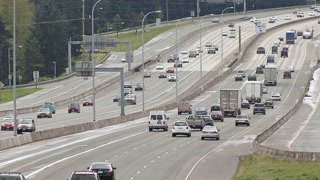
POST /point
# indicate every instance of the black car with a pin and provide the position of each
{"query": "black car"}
(238, 78)
(284, 53)
(252, 77)
(245, 104)
(105, 170)
(274, 49)
(269, 103)
(138, 87)
(261, 50)
(259, 70)
(281, 39)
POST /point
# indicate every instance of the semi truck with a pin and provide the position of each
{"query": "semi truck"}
(253, 91)
(270, 74)
(230, 102)
(290, 37)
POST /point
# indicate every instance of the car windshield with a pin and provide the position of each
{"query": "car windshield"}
(9, 116)
(48, 103)
(73, 105)
(26, 121)
(242, 117)
(100, 166)
(156, 117)
(8, 120)
(44, 110)
(259, 105)
(209, 128)
(83, 177)
(180, 124)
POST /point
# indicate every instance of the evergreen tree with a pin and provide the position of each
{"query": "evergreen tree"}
(5, 36)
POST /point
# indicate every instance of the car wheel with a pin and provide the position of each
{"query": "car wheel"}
(217, 138)
(248, 124)
(236, 124)
(202, 138)
(272, 107)
(254, 113)
(54, 112)
(38, 117)
(78, 111)
(222, 120)
(173, 135)
(69, 111)
(188, 135)
(264, 113)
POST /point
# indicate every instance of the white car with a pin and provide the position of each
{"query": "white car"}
(185, 60)
(274, 18)
(232, 35)
(300, 14)
(224, 34)
(123, 59)
(312, 13)
(181, 128)
(252, 19)
(242, 119)
(184, 51)
(210, 132)
(287, 18)
(172, 77)
(291, 68)
(257, 21)
(159, 67)
(233, 29)
(276, 97)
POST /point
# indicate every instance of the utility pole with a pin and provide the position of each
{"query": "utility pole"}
(198, 8)
(83, 33)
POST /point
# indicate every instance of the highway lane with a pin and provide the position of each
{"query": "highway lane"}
(187, 76)
(139, 154)
(62, 90)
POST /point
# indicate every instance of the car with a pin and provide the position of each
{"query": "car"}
(224, 34)
(207, 120)
(86, 175)
(276, 97)
(257, 21)
(274, 49)
(245, 104)
(208, 44)
(123, 59)
(238, 78)
(211, 50)
(252, 77)
(26, 125)
(284, 53)
(215, 20)
(233, 29)
(159, 67)
(127, 91)
(183, 51)
(274, 18)
(299, 33)
(290, 68)
(272, 21)
(231, 25)
(232, 35)
(318, 21)
(138, 86)
(261, 50)
(271, 58)
(259, 108)
(216, 47)
(195, 121)
(300, 14)
(170, 69)
(74, 107)
(185, 60)
(215, 107)
(287, 74)
(287, 18)
(44, 112)
(259, 70)
(192, 54)
(88, 101)
(130, 99)
(12, 176)
(217, 115)
(312, 13)
(210, 132)
(147, 74)
(51, 106)
(127, 84)
(172, 77)
(181, 128)
(178, 64)
(162, 74)
(253, 19)
(269, 103)
(157, 120)
(281, 38)
(116, 98)
(242, 119)
(264, 90)
(8, 116)
(201, 111)
(171, 58)
(7, 125)
(241, 73)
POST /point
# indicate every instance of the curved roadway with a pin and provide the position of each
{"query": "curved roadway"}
(139, 154)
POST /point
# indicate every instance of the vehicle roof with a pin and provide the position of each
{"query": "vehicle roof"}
(201, 108)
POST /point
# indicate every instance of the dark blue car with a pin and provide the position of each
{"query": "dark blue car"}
(116, 98)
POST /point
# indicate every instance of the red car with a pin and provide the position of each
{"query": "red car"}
(87, 102)
(170, 69)
(217, 115)
(162, 75)
(74, 107)
(7, 124)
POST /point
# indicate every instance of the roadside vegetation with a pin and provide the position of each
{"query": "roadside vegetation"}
(257, 166)
(6, 95)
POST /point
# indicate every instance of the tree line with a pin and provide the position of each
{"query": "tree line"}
(45, 38)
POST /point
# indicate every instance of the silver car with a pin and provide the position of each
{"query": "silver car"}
(26, 125)
(44, 112)
(172, 77)
(210, 132)
(181, 128)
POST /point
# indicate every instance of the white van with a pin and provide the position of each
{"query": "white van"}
(157, 120)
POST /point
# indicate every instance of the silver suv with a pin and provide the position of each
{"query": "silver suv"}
(11, 175)
(26, 125)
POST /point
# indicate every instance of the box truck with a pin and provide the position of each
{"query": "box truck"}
(230, 102)
(253, 91)
(270, 75)
(290, 37)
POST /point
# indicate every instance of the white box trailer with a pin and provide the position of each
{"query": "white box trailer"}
(253, 91)
(230, 102)
(270, 75)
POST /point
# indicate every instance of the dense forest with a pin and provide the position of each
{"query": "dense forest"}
(45, 26)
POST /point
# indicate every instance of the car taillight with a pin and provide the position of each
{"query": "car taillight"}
(163, 122)
(187, 127)
(214, 132)
(204, 132)
(109, 171)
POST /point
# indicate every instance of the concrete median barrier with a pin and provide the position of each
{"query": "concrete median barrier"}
(15, 141)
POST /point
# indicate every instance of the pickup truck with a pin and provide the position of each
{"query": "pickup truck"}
(51, 106)
(184, 107)
(195, 121)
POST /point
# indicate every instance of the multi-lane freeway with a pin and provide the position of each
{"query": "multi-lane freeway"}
(139, 154)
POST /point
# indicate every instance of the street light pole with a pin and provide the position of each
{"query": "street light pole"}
(55, 70)
(14, 71)
(142, 53)
(92, 62)
(9, 62)
(177, 94)
(200, 54)
(222, 36)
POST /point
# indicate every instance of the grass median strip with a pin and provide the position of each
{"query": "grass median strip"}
(6, 95)
(257, 166)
